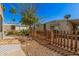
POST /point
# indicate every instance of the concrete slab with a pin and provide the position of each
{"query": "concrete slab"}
(11, 48)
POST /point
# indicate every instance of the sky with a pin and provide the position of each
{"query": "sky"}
(45, 11)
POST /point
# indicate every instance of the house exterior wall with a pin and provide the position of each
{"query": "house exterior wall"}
(39, 27)
(61, 26)
(67, 27)
(17, 28)
(7, 28)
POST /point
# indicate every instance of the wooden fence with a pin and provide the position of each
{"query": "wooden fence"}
(65, 41)
(42, 35)
(62, 40)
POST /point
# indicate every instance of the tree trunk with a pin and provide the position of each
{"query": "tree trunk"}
(30, 28)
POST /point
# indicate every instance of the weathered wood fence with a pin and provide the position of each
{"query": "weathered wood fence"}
(63, 40)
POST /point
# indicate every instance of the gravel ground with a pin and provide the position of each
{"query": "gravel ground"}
(33, 48)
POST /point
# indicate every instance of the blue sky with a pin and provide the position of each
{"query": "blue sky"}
(45, 11)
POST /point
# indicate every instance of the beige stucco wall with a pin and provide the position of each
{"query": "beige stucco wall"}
(39, 28)
(61, 26)
(17, 28)
(7, 28)
(67, 27)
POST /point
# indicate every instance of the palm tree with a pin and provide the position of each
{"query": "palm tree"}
(13, 11)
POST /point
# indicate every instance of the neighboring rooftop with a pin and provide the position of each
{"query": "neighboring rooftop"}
(73, 21)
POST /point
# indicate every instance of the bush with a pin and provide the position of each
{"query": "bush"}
(21, 32)
(10, 33)
(24, 32)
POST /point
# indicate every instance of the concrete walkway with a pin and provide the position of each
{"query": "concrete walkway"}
(11, 48)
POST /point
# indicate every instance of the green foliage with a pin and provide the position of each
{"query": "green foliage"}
(11, 33)
(28, 17)
(13, 10)
(18, 33)
(3, 7)
(24, 32)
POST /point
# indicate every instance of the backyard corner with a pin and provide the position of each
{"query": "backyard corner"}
(28, 29)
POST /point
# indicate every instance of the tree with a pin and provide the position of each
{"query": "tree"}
(13, 11)
(29, 17)
(3, 7)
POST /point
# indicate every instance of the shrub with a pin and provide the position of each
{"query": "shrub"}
(24, 32)
(21, 32)
(10, 33)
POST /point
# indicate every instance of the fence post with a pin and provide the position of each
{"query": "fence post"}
(61, 38)
(67, 41)
(71, 42)
(58, 38)
(57, 33)
(34, 34)
(64, 38)
(75, 42)
(52, 37)
(55, 37)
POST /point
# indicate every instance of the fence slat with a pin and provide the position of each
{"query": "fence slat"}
(75, 43)
(52, 37)
(61, 40)
(71, 42)
(67, 42)
(64, 39)
(58, 39)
